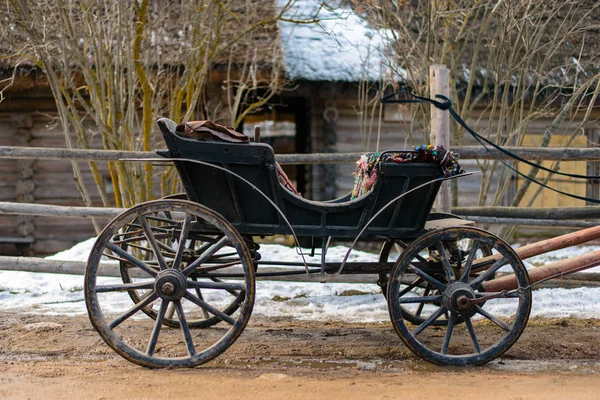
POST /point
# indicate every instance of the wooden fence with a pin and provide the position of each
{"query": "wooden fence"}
(569, 217)
(566, 217)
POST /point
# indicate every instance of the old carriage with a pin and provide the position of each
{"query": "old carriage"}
(189, 262)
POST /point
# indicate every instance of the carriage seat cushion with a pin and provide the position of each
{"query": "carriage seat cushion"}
(367, 167)
(210, 131)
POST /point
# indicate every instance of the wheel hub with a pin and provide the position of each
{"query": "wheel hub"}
(170, 285)
(457, 297)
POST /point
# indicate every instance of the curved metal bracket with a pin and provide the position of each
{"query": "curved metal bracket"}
(386, 206)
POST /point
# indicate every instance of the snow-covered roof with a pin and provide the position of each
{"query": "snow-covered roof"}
(340, 47)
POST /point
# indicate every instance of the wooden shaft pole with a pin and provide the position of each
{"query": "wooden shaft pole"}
(439, 83)
(545, 246)
(509, 282)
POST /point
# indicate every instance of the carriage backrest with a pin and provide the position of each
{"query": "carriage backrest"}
(236, 199)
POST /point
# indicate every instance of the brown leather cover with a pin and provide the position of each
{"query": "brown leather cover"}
(208, 130)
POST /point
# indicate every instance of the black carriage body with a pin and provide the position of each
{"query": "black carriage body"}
(246, 206)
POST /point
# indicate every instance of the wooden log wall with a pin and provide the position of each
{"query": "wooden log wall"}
(41, 182)
(8, 182)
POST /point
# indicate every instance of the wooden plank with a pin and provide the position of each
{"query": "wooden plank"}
(50, 246)
(548, 198)
(40, 209)
(466, 152)
(534, 222)
(592, 212)
(439, 84)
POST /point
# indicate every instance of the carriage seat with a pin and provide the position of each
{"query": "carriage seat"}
(208, 130)
(367, 167)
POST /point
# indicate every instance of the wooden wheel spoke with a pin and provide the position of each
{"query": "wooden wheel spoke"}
(428, 277)
(152, 240)
(214, 311)
(207, 254)
(170, 311)
(156, 330)
(185, 329)
(448, 336)
(141, 237)
(445, 262)
(420, 299)
(119, 251)
(473, 335)
(231, 292)
(476, 283)
(133, 310)
(199, 294)
(469, 262)
(410, 287)
(493, 318)
(215, 285)
(420, 307)
(209, 268)
(161, 219)
(429, 320)
(185, 229)
(206, 246)
(121, 287)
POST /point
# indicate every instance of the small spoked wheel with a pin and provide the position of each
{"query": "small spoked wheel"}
(185, 266)
(411, 284)
(481, 319)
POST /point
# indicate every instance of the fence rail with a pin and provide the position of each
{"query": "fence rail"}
(568, 217)
(111, 269)
(466, 152)
(577, 217)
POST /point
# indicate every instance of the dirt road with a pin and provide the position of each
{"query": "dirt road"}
(61, 357)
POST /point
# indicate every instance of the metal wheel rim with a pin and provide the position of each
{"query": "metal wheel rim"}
(493, 351)
(114, 340)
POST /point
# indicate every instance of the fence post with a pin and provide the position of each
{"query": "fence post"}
(439, 83)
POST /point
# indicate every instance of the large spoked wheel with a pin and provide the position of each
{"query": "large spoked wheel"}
(169, 281)
(391, 251)
(479, 325)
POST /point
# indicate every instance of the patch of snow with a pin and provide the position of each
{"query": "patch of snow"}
(79, 252)
(53, 294)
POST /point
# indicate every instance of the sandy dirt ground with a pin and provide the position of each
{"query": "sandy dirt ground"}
(47, 357)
